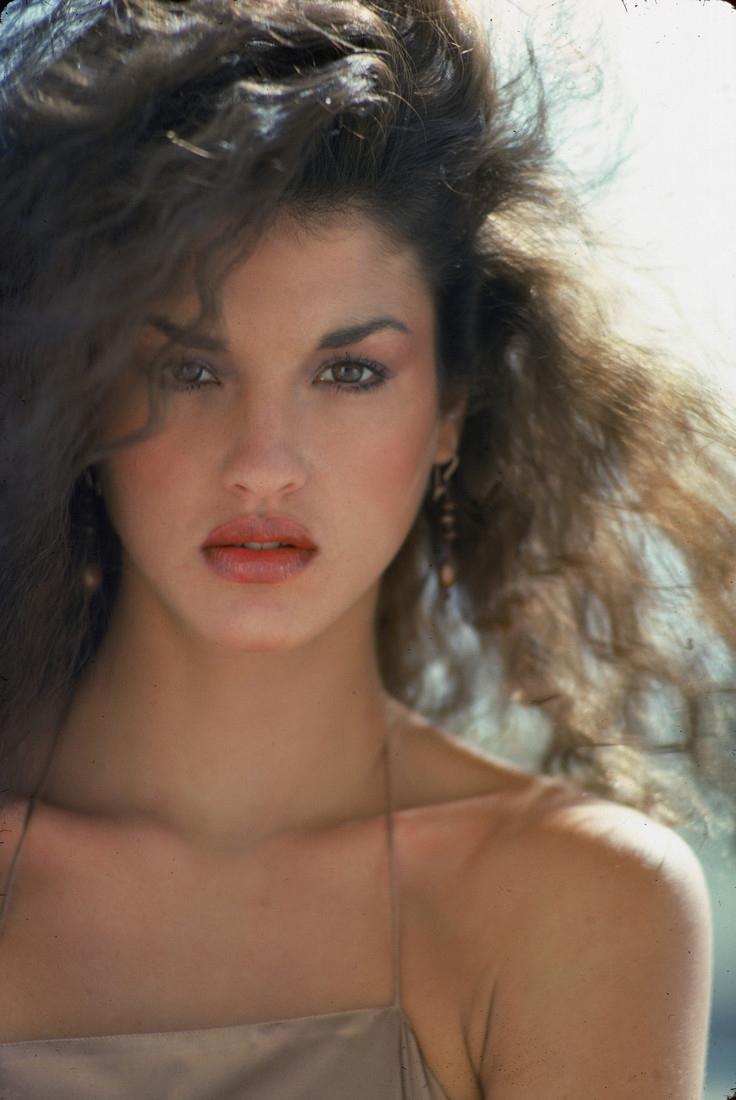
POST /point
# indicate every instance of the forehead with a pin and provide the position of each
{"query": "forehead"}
(326, 267)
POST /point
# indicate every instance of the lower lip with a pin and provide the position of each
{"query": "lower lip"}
(243, 566)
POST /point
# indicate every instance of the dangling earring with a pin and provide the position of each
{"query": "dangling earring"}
(441, 491)
(91, 570)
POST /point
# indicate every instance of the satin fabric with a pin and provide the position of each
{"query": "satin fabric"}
(368, 1054)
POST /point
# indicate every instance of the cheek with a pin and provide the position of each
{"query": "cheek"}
(128, 407)
(143, 485)
(410, 459)
(397, 470)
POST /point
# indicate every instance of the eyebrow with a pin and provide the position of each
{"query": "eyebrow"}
(338, 338)
(188, 337)
(353, 334)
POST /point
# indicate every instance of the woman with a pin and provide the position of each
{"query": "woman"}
(304, 414)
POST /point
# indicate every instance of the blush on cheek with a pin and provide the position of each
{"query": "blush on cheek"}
(404, 477)
(132, 477)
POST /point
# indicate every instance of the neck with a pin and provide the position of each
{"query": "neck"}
(224, 746)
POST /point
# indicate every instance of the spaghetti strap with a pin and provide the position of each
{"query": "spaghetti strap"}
(32, 802)
(16, 857)
(388, 746)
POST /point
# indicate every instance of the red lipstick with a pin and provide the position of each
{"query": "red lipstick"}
(259, 549)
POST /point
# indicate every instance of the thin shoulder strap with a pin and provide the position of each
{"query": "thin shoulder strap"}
(15, 860)
(388, 756)
(32, 802)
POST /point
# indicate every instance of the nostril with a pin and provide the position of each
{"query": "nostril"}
(264, 468)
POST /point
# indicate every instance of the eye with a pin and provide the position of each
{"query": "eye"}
(346, 373)
(189, 374)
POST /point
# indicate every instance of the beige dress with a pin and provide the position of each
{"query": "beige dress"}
(364, 1054)
(369, 1054)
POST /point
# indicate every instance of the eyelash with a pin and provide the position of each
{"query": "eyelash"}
(380, 374)
(187, 387)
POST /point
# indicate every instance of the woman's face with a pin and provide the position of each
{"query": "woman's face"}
(299, 437)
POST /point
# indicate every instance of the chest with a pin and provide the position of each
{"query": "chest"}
(112, 932)
(126, 934)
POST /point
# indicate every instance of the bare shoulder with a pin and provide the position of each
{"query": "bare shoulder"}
(601, 883)
(627, 847)
(554, 830)
(576, 931)
(565, 859)
(612, 941)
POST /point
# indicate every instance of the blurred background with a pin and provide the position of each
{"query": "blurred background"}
(645, 121)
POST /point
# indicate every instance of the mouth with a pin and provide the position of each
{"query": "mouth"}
(261, 533)
(261, 545)
(259, 550)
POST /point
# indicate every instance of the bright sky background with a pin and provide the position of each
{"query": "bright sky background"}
(668, 98)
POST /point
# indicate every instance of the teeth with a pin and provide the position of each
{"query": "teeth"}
(261, 545)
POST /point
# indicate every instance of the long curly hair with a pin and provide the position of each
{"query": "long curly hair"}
(595, 496)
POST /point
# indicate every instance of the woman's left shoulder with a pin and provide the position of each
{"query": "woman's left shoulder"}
(576, 829)
(578, 859)
(569, 934)
(501, 820)
(576, 938)
(608, 923)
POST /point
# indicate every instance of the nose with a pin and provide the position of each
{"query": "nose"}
(264, 455)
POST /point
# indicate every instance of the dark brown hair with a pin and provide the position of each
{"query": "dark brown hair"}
(160, 137)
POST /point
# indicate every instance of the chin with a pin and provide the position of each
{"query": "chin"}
(273, 637)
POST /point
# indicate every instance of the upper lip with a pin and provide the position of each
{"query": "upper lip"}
(260, 529)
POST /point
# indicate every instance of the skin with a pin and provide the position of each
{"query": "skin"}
(228, 742)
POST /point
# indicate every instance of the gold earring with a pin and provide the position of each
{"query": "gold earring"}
(91, 569)
(442, 495)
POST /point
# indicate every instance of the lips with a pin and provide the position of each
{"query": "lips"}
(259, 549)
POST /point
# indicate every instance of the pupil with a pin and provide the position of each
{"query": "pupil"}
(349, 372)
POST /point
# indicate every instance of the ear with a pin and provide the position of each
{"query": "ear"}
(450, 429)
